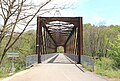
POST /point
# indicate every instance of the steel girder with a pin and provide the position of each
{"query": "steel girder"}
(59, 31)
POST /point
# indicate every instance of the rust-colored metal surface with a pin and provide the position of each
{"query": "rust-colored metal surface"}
(59, 31)
(38, 39)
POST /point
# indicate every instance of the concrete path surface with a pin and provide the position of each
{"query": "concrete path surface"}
(60, 70)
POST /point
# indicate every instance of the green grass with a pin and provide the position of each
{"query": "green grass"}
(109, 73)
(105, 67)
(88, 67)
(5, 70)
(3, 73)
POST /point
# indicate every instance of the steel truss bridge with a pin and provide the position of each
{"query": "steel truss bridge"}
(53, 32)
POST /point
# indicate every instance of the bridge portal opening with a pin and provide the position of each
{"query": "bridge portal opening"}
(60, 49)
(59, 31)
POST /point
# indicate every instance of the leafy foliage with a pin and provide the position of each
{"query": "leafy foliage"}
(103, 44)
(115, 52)
(105, 67)
(24, 46)
(100, 42)
(60, 49)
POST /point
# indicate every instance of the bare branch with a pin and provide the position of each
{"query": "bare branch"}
(19, 11)
(16, 11)
(28, 24)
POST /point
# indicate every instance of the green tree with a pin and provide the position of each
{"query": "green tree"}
(115, 52)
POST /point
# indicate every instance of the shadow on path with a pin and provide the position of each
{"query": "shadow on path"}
(51, 61)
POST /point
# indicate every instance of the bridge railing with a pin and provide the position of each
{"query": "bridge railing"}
(33, 59)
(73, 57)
(87, 62)
(47, 56)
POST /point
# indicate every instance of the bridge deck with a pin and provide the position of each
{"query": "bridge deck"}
(61, 59)
(60, 70)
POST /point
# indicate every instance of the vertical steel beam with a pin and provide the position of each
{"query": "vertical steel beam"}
(39, 39)
(73, 45)
(80, 40)
(81, 36)
(64, 48)
(56, 49)
(45, 42)
(76, 42)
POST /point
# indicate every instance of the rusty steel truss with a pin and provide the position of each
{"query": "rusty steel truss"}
(59, 31)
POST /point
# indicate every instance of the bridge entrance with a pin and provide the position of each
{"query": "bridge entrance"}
(53, 32)
(60, 49)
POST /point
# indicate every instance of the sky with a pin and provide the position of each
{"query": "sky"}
(96, 12)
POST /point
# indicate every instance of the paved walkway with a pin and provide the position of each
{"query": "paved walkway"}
(61, 59)
(60, 70)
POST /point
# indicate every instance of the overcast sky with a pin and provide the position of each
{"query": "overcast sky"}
(92, 11)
